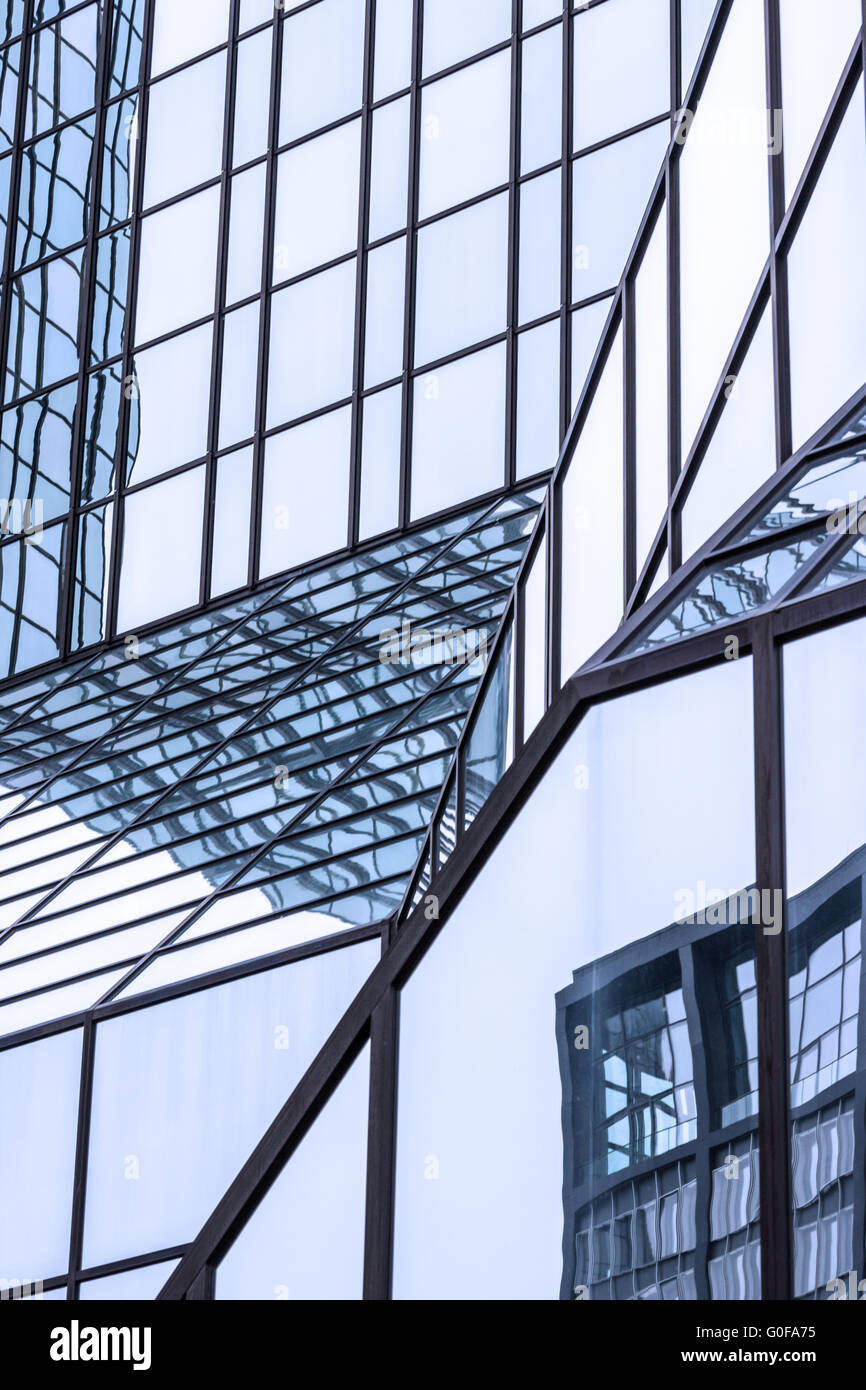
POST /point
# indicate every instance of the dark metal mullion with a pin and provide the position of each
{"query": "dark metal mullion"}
(76, 1237)
(512, 303)
(567, 191)
(127, 370)
(778, 263)
(265, 301)
(774, 1121)
(214, 402)
(381, 1147)
(361, 271)
(405, 499)
(629, 430)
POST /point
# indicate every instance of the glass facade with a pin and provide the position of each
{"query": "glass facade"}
(432, 598)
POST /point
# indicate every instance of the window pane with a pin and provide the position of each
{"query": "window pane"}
(464, 134)
(611, 191)
(182, 1092)
(43, 327)
(540, 245)
(306, 1239)
(651, 388)
(172, 381)
(815, 43)
(389, 170)
(455, 29)
(38, 1155)
(827, 284)
(393, 47)
(92, 566)
(462, 269)
(35, 456)
(252, 97)
(177, 275)
(458, 431)
(237, 402)
(54, 202)
(386, 294)
(156, 582)
(537, 399)
(312, 335)
(255, 12)
(182, 31)
(323, 58)
(534, 647)
(541, 105)
(109, 295)
(586, 326)
(193, 97)
(305, 494)
(637, 32)
(62, 71)
(231, 522)
(380, 462)
(126, 37)
(317, 202)
(246, 230)
(694, 23)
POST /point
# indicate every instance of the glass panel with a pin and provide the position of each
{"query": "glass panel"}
(391, 70)
(651, 390)
(611, 189)
(586, 326)
(464, 134)
(827, 283)
(120, 148)
(386, 297)
(694, 22)
(320, 178)
(62, 71)
(183, 1091)
(109, 295)
(814, 46)
(389, 168)
(455, 29)
(172, 387)
(177, 274)
(592, 537)
(126, 39)
(155, 582)
(541, 101)
(538, 399)
(724, 209)
(311, 344)
(638, 33)
(40, 1106)
(306, 1239)
(246, 229)
(742, 450)
(540, 246)
(462, 279)
(458, 438)
(534, 640)
(237, 403)
(252, 97)
(44, 326)
(323, 58)
(182, 31)
(380, 462)
(54, 201)
(305, 493)
(231, 522)
(489, 748)
(35, 453)
(92, 567)
(616, 831)
(193, 96)
(253, 12)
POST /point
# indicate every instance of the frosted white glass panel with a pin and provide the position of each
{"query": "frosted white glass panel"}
(183, 1091)
(380, 462)
(323, 63)
(455, 29)
(393, 60)
(386, 298)
(742, 451)
(694, 21)
(237, 401)
(464, 134)
(541, 100)
(815, 41)
(177, 265)
(192, 100)
(231, 522)
(180, 31)
(462, 279)
(825, 817)
(163, 579)
(312, 342)
(540, 246)
(306, 1240)
(305, 495)
(534, 646)
(621, 67)
(252, 97)
(172, 384)
(611, 191)
(538, 399)
(610, 851)
(316, 217)
(246, 229)
(458, 441)
(39, 1084)
(724, 208)
(827, 283)
(586, 326)
(389, 168)
(592, 528)
(651, 387)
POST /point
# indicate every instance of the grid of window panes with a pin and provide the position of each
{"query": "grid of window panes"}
(370, 254)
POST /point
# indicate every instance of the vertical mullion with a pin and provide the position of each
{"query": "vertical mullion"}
(89, 264)
(354, 508)
(771, 970)
(567, 217)
(128, 357)
(405, 505)
(82, 1141)
(381, 1147)
(513, 246)
(629, 461)
(265, 299)
(675, 442)
(15, 157)
(778, 262)
(219, 304)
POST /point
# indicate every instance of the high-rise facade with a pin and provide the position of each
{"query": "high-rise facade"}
(431, 600)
